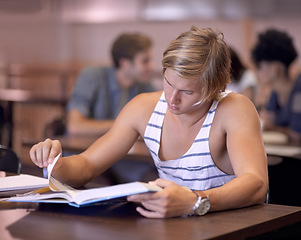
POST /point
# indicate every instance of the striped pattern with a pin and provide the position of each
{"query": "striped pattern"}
(195, 169)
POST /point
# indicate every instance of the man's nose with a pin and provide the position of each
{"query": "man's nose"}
(174, 98)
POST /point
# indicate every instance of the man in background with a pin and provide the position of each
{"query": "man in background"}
(101, 92)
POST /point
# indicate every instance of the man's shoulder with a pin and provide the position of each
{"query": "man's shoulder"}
(236, 112)
(97, 69)
(233, 105)
(140, 108)
(97, 75)
(233, 98)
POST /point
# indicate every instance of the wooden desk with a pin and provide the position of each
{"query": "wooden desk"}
(120, 221)
(284, 150)
(277, 144)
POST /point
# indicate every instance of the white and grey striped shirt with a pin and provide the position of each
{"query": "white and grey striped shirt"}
(195, 169)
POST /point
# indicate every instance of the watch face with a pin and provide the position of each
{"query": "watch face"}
(203, 207)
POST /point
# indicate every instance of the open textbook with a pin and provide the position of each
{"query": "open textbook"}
(62, 193)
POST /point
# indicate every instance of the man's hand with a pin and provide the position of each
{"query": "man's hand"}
(172, 201)
(43, 153)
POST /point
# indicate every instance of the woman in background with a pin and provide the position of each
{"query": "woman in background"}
(273, 56)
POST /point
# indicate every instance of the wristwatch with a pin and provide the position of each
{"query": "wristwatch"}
(202, 205)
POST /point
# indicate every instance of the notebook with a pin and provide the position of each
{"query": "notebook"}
(19, 183)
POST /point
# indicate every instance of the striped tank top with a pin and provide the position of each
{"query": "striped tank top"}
(195, 169)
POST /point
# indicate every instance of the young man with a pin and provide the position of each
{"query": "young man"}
(273, 55)
(200, 136)
(101, 92)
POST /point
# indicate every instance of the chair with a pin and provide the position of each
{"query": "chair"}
(55, 128)
(9, 160)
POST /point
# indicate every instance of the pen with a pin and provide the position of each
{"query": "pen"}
(38, 191)
(41, 190)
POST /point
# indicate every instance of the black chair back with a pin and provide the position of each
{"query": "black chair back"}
(9, 160)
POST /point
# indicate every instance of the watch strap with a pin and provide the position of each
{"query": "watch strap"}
(200, 194)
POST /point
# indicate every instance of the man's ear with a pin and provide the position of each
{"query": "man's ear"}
(124, 62)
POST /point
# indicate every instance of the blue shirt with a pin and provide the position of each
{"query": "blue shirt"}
(97, 95)
(290, 114)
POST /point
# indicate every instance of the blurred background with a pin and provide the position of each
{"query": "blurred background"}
(44, 43)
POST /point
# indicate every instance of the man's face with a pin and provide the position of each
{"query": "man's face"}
(141, 67)
(182, 95)
(265, 72)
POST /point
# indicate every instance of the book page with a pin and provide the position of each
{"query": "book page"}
(51, 166)
(56, 185)
(115, 191)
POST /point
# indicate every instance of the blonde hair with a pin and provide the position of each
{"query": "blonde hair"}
(202, 54)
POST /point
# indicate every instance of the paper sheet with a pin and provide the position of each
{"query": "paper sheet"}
(51, 166)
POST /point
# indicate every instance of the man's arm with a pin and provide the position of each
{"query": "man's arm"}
(78, 124)
(247, 156)
(89, 87)
(77, 170)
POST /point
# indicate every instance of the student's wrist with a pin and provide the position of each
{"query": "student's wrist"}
(201, 205)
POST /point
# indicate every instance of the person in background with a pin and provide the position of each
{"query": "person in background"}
(273, 55)
(243, 80)
(101, 92)
(205, 141)
(2, 125)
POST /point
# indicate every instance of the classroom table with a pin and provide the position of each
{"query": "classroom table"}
(121, 221)
(278, 145)
(290, 151)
